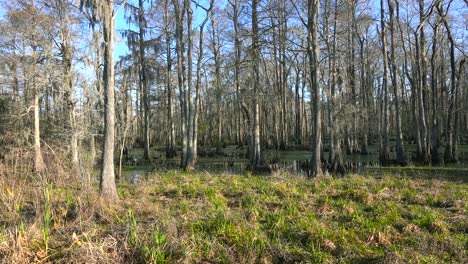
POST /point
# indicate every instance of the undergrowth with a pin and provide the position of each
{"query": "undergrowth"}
(201, 218)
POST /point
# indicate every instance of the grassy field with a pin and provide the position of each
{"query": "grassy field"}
(203, 218)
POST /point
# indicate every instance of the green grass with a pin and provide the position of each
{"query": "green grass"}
(189, 218)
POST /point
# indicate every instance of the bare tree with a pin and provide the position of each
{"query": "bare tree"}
(198, 88)
(170, 149)
(385, 151)
(450, 153)
(400, 150)
(179, 17)
(255, 158)
(105, 11)
(313, 50)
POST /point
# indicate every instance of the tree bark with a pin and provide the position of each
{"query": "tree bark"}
(385, 151)
(237, 47)
(66, 51)
(107, 182)
(144, 82)
(336, 156)
(179, 14)
(435, 143)
(190, 128)
(237, 51)
(219, 92)
(171, 148)
(255, 159)
(400, 150)
(421, 59)
(352, 137)
(313, 50)
(449, 155)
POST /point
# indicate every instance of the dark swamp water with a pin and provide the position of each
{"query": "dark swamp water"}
(231, 161)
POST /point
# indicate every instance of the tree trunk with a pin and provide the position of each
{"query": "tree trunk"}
(385, 151)
(457, 113)
(365, 87)
(219, 95)
(237, 48)
(435, 157)
(67, 67)
(255, 159)
(198, 85)
(449, 155)
(313, 50)
(179, 14)
(421, 59)
(144, 83)
(400, 151)
(283, 75)
(107, 182)
(171, 148)
(190, 129)
(336, 157)
(352, 137)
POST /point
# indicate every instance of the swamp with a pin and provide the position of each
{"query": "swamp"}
(233, 131)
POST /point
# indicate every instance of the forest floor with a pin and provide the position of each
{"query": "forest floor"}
(224, 218)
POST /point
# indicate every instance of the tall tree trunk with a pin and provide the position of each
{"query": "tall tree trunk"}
(412, 78)
(144, 82)
(107, 182)
(74, 133)
(435, 157)
(277, 113)
(353, 138)
(179, 14)
(421, 59)
(400, 150)
(283, 74)
(365, 87)
(190, 129)
(255, 158)
(67, 80)
(198, 84)
(385, 151)
(171, 148)
(449, 155)
(457, 112)
(313, 50)
(219, 96)
(335, 144)
(125, 122)
(237, 50)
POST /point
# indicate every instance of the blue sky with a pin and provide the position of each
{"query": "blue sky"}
(120, 24)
